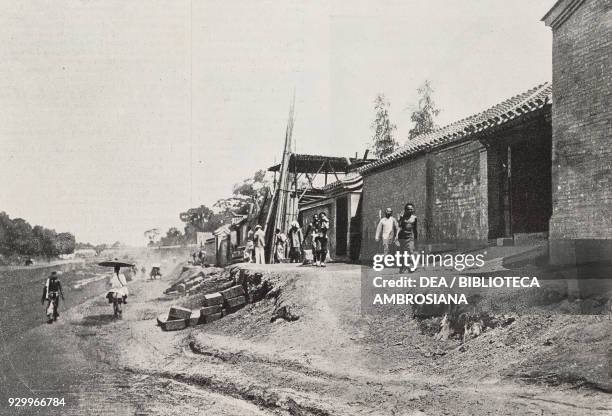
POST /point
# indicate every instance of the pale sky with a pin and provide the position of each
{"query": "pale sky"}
(115, 116)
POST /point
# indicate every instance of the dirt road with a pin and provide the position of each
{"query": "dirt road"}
(330, 361)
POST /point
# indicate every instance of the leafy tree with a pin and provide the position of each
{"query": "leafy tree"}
(247, 195)
(66, 243)
(383, 140)
(6, 226)
(173, 237)
(424, 114)
(21, 238)
(49, 246)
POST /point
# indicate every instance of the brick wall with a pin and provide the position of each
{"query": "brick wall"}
(392, 187)
(582, 151)
(459, 203)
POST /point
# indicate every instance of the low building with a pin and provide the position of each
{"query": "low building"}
(481, 178)
(581, 224)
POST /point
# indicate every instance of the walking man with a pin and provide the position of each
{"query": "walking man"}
(387, 230)
(407, 234)
(259, 241)
(51, 292)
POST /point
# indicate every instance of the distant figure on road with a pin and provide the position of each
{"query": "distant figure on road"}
(407, 234)
(387, 230)
(295, 237)
(51, 292)
(259, 240)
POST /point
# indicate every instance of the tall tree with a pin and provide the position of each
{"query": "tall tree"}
(249, 193)
(152, 235)
(65, 243)
(424, 114)
(383, 141)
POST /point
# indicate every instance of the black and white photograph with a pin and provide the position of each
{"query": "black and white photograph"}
(305, 208)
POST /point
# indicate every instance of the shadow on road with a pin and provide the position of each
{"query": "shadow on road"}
(97, 320)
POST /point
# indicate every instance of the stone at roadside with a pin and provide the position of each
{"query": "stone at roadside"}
(210, 310)
(196, 319)
(181, 288)
(213, 299)
(177, 312)
(172, 324)
(213, 317)
(234, 303)
(233, 292)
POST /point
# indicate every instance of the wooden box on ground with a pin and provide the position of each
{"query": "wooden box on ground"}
(177, 312)
(213, 299)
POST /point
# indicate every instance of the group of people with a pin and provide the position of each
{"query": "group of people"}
(400, 232)
(293, 245)
(52, 291)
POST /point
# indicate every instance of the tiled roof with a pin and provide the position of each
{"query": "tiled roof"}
(352, 181)
(510, 109)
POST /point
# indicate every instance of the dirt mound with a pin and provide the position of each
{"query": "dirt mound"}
(317, 313)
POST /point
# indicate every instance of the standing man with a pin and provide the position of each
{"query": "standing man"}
(295, 242)
(280, 240)
(259, 241)
(323, 229)
(51, 292)
(407, 230)
(387, 230)
(313, 232)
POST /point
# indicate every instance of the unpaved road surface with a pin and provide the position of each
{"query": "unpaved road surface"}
(327, 362)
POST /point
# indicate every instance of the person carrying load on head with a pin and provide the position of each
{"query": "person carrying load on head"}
(51, 292)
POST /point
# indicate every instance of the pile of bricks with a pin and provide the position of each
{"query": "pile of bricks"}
(215, 306)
